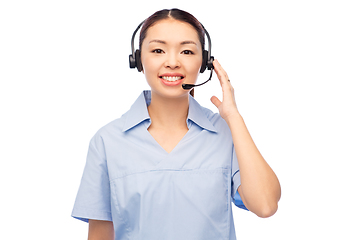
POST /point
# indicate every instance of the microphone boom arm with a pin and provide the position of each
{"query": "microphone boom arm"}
(189, 86)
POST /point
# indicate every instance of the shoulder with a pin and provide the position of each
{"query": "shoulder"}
(108, 135)
(118, 127)
(114, 127)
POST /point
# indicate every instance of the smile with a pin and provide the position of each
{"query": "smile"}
(172, 79)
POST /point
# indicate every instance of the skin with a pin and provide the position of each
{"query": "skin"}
(173, 46)
(100, 230)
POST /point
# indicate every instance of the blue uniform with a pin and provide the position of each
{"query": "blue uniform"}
(148, 193)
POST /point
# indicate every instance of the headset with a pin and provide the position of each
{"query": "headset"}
(207, 59)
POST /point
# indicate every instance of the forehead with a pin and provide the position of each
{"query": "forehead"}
(172, 30)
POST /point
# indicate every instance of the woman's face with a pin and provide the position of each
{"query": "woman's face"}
(171, 55)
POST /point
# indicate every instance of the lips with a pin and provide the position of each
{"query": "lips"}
(171, 79)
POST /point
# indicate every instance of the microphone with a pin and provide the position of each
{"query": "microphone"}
(189, 86)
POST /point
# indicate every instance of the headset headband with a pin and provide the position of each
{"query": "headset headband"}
(133, 36)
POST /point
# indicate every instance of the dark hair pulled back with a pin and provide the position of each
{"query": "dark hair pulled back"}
(176, 14)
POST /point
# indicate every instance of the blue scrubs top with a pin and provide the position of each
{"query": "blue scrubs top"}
(147, 193)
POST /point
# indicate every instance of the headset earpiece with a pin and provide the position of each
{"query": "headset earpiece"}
(210, 64)
(138, 61)
(204, 61)
(135, 62)
(132, 62)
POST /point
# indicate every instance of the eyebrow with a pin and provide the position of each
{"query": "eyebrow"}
(182, 43)
(188, 42)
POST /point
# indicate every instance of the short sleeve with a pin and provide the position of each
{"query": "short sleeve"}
(93, 197)
(237, 200)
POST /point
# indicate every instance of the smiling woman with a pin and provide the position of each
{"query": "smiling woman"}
(170, 168)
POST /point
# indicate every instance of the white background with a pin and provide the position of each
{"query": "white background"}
(64, 74)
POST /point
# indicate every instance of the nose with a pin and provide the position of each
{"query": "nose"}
(172, 61)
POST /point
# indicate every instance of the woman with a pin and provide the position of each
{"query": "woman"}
(168, 168)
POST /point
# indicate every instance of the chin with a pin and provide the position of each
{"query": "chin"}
(170, 93)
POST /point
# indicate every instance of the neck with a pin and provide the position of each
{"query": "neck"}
(168, 112)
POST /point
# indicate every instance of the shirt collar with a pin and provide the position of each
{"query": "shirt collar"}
(139, 113)
(197, 115)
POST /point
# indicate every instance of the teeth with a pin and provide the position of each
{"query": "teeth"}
(171, 79)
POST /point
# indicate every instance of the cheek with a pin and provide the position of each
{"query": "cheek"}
(150, 64)
(151, 68)
(193, 66)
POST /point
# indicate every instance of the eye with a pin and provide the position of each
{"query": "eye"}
(187, 52)
(158, 51)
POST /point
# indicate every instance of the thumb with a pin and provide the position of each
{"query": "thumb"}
(215, 101)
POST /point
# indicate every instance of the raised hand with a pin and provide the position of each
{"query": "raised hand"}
(227, 108)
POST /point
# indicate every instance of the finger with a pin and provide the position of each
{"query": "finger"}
(220, 71)
(223, 77)
(215, 101)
